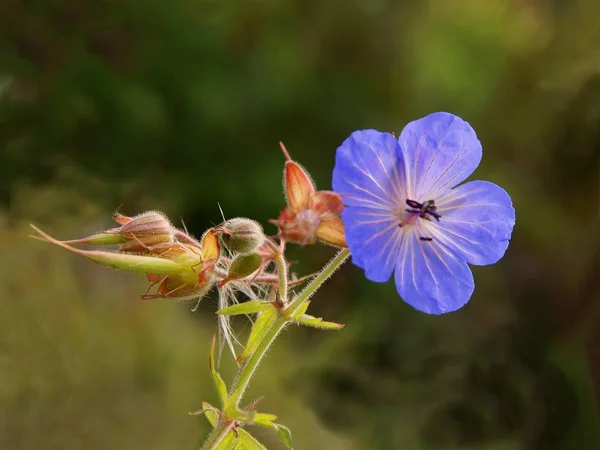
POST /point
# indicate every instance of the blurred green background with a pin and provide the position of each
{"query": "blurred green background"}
(179, 105)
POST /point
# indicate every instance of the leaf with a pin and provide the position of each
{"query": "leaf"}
(284, 434)
(250, 307)
(211, 413)
(318, 322)
(219, 383)
(301, 310)
(247, 441)
(265, 420)
(230, 442)
(259, 330)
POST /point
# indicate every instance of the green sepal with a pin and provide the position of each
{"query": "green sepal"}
(318, 322)
(251, 307)
(285, 435)
(260, 328)
(219, 383)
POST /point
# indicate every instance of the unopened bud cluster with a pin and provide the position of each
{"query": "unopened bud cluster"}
(176, 264)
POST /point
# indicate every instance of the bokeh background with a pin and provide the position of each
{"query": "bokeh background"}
(179, 106)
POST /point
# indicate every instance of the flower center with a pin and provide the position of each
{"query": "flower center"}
(425, 210)
(308, 221)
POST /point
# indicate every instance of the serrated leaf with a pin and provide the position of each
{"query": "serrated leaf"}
(284, 434)
(266, 420)
(250, 307)
(318, 322)
(301, 310)
(219, 383)
(247, 441)
(259, 329)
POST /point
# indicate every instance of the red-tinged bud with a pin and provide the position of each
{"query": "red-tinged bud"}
(311, 215)
(144, 231)
(195, 282)
(136, 234)
(299, 187)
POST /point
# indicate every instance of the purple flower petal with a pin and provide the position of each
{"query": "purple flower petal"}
(431, 278)
(439, 151)
(374, 239)
(477, 222)
(368, 172)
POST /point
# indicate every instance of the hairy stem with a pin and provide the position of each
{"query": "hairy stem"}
(217, 436)
(247, 369)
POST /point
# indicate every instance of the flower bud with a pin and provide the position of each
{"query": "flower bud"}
(243, 266)
(136, 234)
(144, 231)
(241, 235)
(184, 271)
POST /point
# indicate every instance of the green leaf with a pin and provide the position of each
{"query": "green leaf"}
(284, 434)
(231, 441)
(211, 413)
(259, 330)
(219, 383)
(247, 441)
(301, 310)
(266, 420)
(250, 307)
(318, 322)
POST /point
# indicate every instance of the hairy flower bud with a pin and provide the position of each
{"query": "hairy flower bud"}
(144, 231)
(241, 235)
(243, 266)
(138, 234)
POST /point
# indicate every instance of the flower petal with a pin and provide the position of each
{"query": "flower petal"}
(431, 278)
(374, 239)
(331, 231)
(439, 151)
(477, 222)
(368, 171)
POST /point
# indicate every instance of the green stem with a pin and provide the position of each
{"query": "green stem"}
(282, 274)
(242, 380)
(316, 283)
(216, 437)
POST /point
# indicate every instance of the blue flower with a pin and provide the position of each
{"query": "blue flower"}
(405, 213)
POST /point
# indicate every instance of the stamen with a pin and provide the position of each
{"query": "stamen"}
(424, 210)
